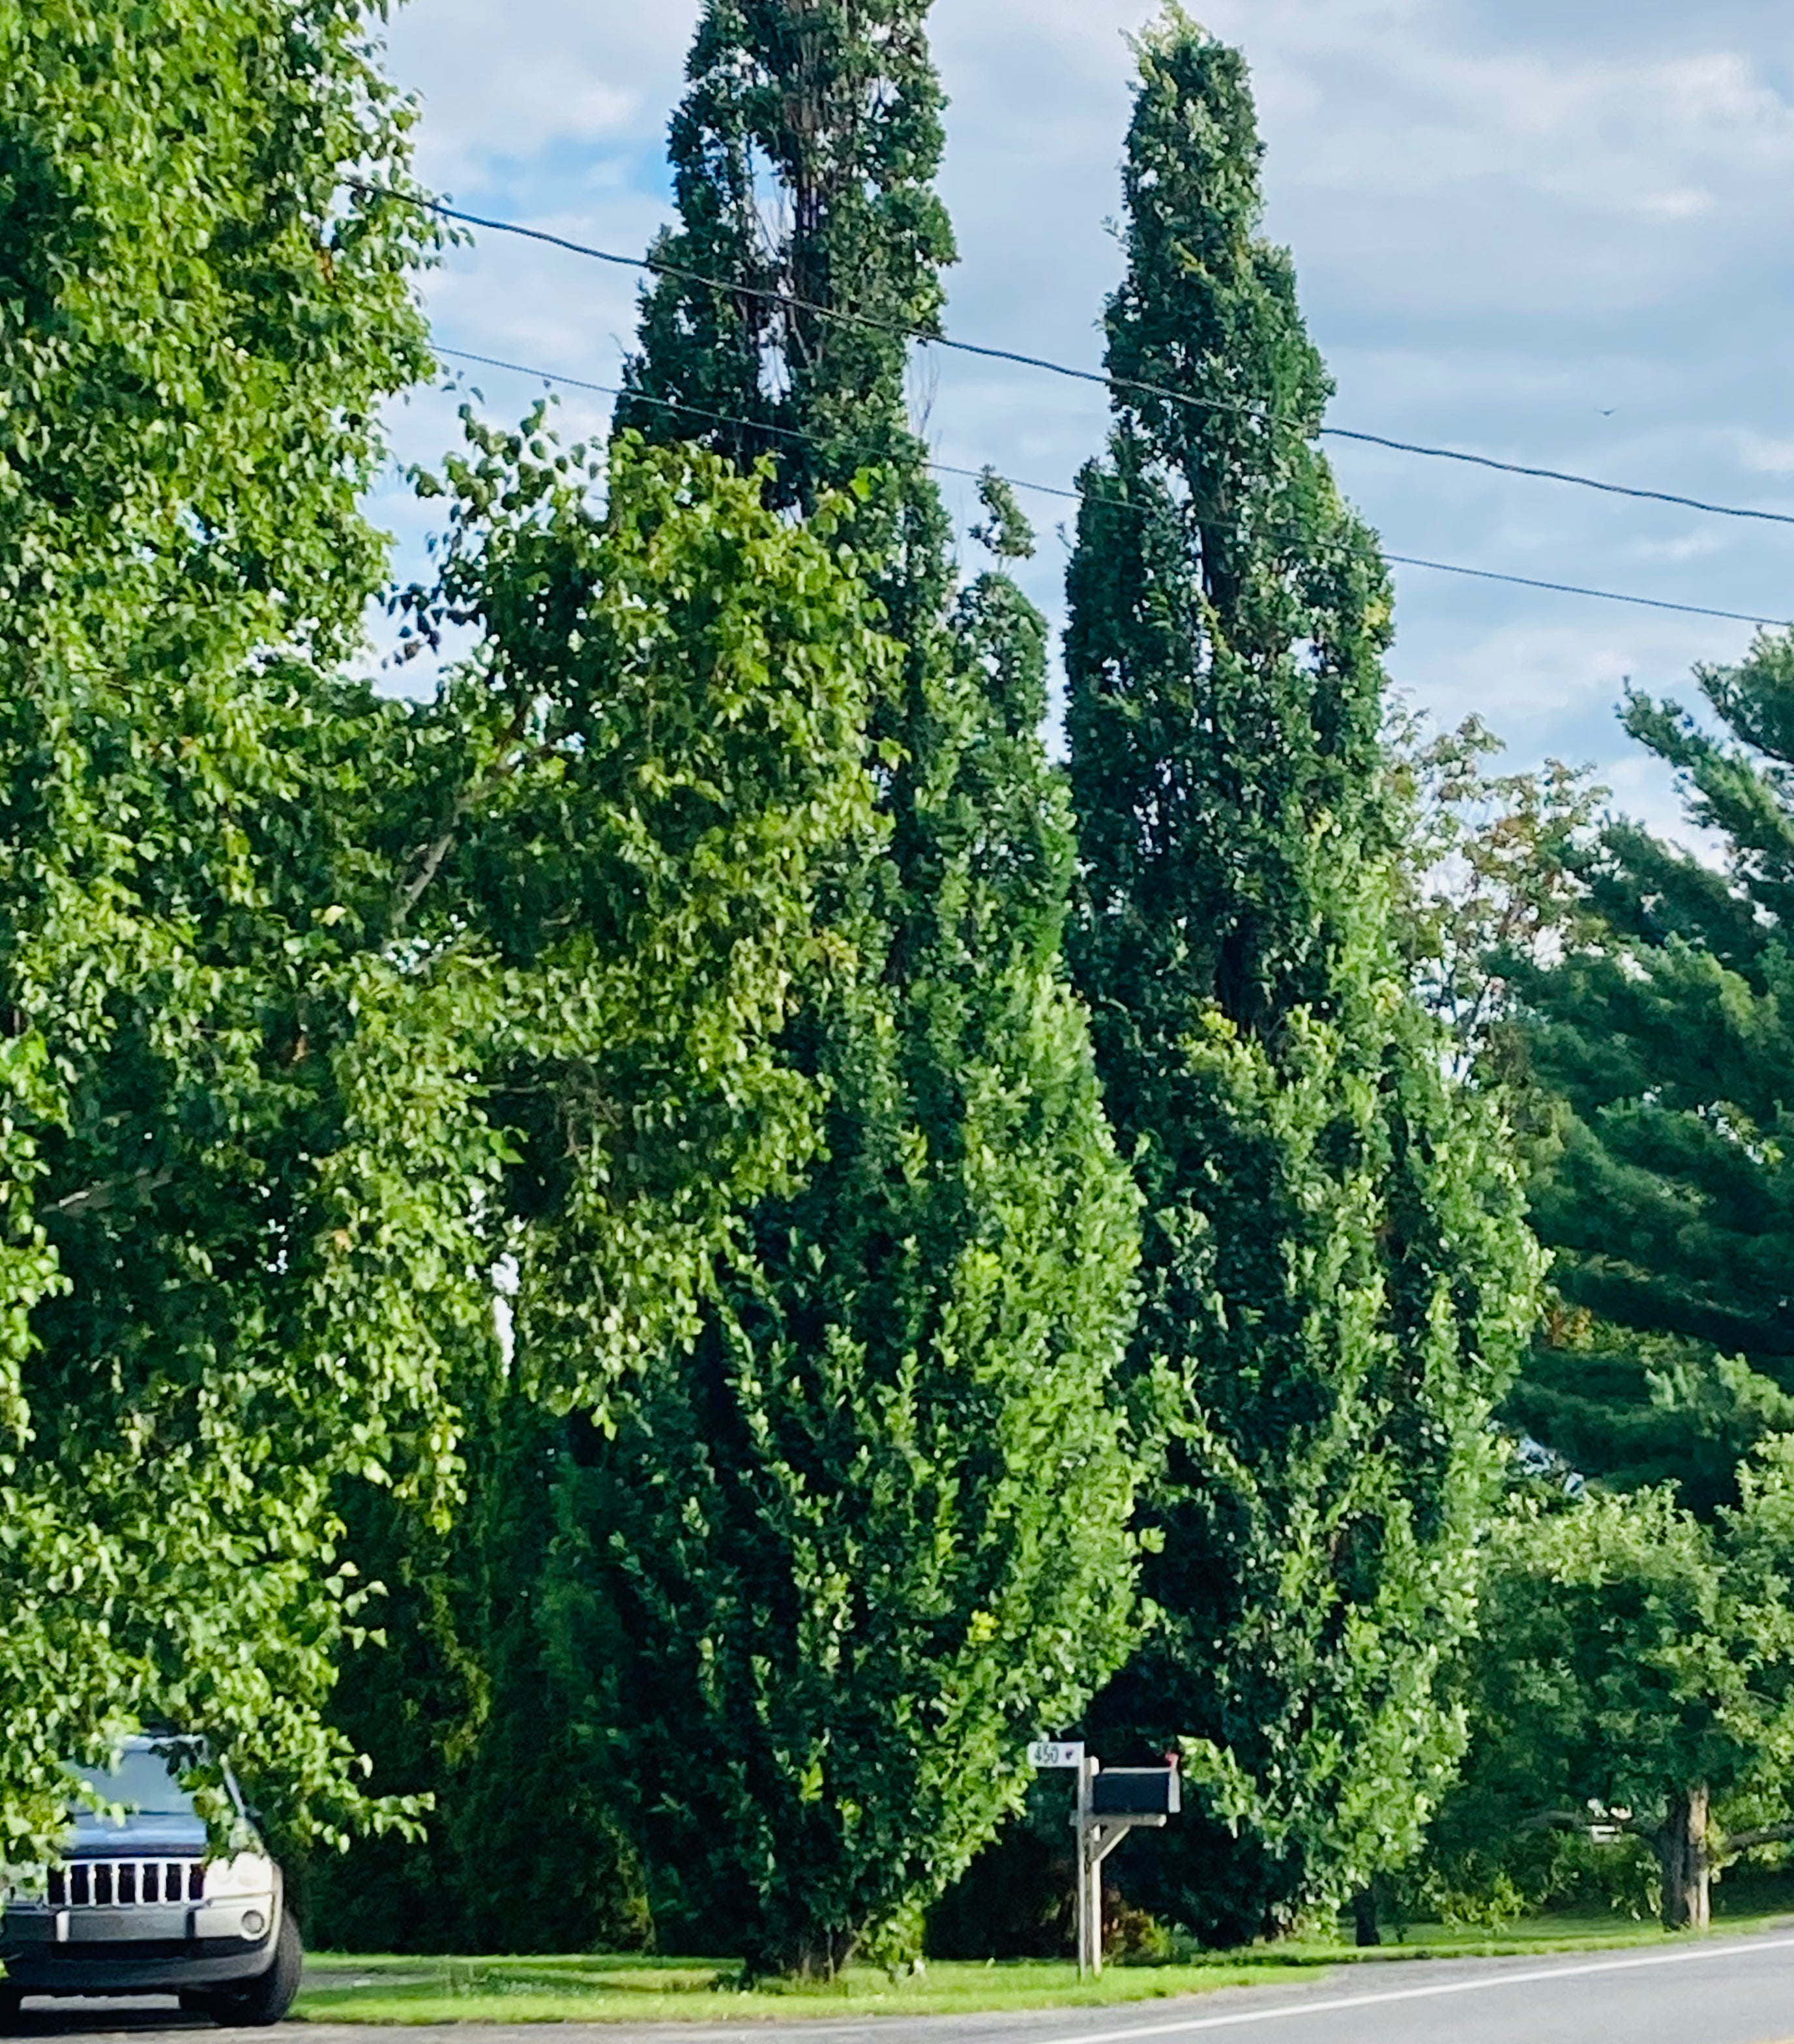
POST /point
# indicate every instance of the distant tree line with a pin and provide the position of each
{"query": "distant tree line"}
(624, 1275)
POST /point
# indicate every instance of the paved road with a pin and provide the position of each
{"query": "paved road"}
(1729, 1992)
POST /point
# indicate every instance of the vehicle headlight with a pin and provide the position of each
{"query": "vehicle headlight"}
(254, 1922)
(248, 1875)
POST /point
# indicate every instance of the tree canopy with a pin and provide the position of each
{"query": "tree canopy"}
(220, 1284)
(1632, 1679)
(1666, 1204)
(816, 1218)
(628, 1270)
(306, 994)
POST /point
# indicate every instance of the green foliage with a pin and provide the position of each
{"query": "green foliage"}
(623, 795)
(1498, 894)
(829, 112)
(1489, 878)
(199, 323)
(630, 789)
(240, 1143)
(1006, 531)
(1663, 1031)
(814, 1568)
(260, 1177)
(1636, 1410)
(1630, 1658)
(1495, 889)
(1606, 1677)
(522, 1853)
(1336, 1277)
(315, 1008)
(839, 1590)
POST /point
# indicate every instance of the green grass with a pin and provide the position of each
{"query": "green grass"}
(587, 1988)
(1601, 1932)
(636, 1990)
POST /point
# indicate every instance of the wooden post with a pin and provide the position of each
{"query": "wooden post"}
(1143, 1795)
(1096, 1856)
(1086, 1769)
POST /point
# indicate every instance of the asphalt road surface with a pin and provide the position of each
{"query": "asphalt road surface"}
(1738, 1991)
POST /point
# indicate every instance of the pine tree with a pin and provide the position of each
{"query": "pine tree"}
(1336, 1277)
(1632, 1409)
(1665, 1197)
(830, 1549)
(1653, 1031)
(1495, 887)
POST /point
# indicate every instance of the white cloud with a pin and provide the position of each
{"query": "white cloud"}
(1687, 547)
(1555, 233)
(501, 84)
(1766, 457)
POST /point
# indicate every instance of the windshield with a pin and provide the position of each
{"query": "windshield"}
(142, 1781)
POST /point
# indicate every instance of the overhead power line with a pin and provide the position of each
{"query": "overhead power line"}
(724, 418)
(923, 337)
(1076, 497)
(1576, 589)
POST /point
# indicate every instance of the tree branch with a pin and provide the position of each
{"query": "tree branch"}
(1762, 1834)
(91, 1198)
(434, 853)
(1558, 1821)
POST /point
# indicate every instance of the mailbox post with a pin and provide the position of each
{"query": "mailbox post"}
(1090, 1875)
(1110, 1804)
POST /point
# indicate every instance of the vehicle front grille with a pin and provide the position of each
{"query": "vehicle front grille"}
(125, 1884)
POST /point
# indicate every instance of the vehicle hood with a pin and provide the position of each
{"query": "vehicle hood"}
(97, 1837)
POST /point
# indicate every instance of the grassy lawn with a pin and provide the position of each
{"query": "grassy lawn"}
(343, 1988)
(1537, 1934)
(644, 1990)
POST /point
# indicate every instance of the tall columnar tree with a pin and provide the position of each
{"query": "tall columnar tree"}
(867, 1533)
(1336, 1275)
(803, 159)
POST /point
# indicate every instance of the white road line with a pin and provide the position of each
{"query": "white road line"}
(1334, 2004)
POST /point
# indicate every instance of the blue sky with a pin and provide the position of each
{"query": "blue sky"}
(1556, 233)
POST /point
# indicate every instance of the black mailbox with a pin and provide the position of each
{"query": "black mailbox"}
(1136, 1792)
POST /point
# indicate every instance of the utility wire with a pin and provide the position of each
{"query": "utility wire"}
(1077, 496)
(1576, 589)
(921, 335)
(732, 419)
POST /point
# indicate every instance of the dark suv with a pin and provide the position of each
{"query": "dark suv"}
(137, 1905)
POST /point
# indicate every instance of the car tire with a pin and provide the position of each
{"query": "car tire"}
(267, 1997)
(12, 2004)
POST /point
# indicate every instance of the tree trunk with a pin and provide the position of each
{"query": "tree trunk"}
(1681, 1853)
(1364, 1916)
(817, 1955)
